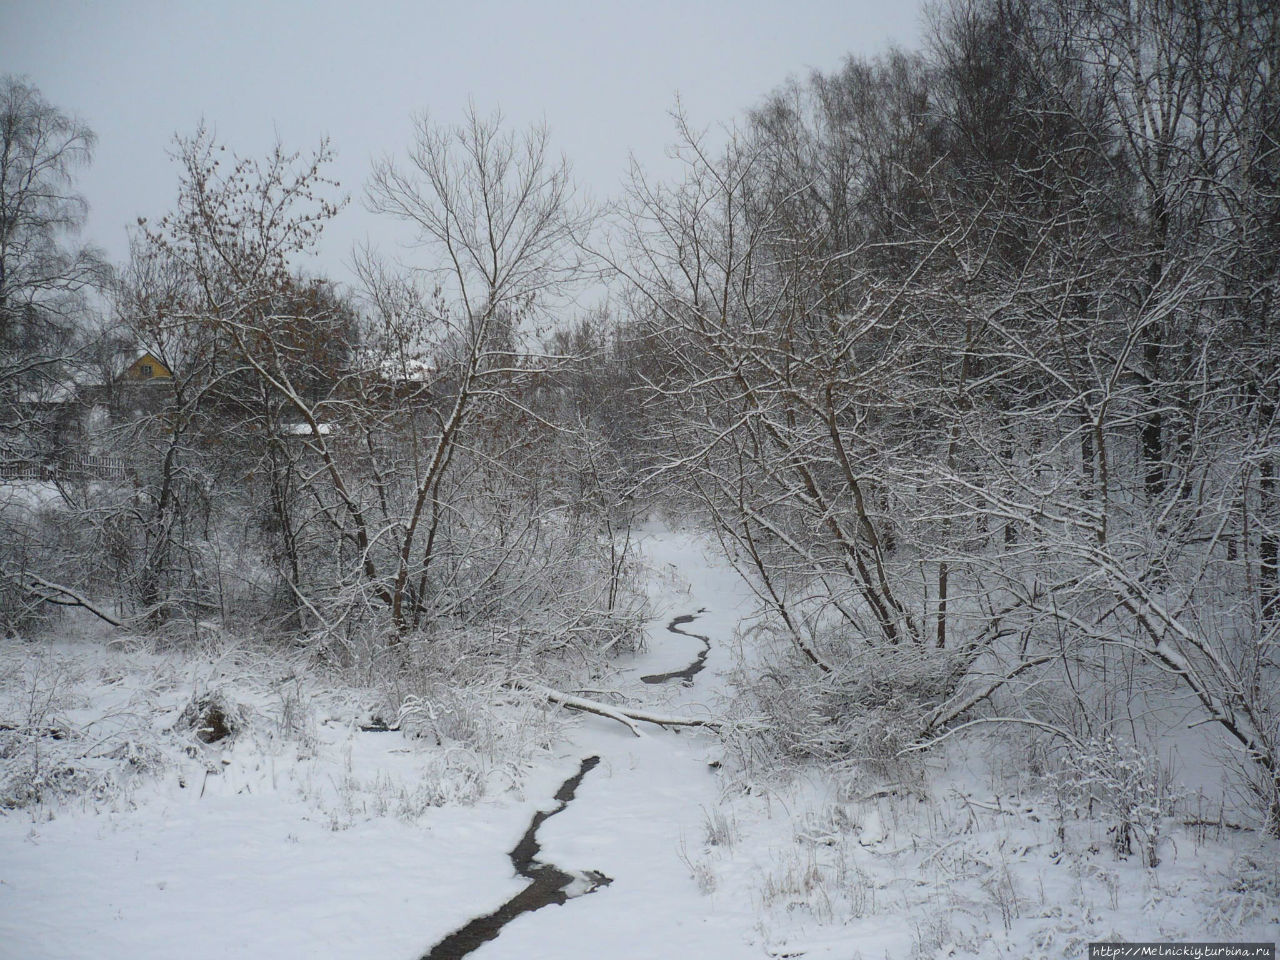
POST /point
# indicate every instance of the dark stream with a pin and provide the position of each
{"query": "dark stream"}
(548, 883)
(686, 675)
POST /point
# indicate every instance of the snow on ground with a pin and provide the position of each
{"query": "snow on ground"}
(951, 866)
(305, 836)
(968, 853)
(28, 495)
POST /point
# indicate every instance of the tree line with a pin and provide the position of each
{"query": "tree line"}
(970, 356)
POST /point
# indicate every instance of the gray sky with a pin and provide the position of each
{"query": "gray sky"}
(603, 75)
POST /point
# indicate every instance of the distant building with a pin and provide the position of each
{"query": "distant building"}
(145, 368)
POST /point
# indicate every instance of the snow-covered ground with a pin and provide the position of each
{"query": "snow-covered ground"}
(319, 842)
(325, 841)
(308, 837)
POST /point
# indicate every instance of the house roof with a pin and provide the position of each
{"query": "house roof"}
(159, 369)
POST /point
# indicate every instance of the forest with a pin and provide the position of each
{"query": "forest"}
(964, 360)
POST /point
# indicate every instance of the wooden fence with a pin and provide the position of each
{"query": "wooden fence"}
(78, 467)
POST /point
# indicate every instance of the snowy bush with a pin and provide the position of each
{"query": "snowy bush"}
(32, 734)
(1251, 894)
(56, 744)
(451, 691)
(1125, 784)
(212, 717)
(866, 712)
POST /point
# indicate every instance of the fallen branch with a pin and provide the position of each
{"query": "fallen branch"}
(61, 596)
(927, 744)
(626, 716)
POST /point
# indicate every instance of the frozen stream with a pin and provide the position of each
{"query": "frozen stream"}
(641, 813)
(699, 662)
(550, 884)
(666, 768)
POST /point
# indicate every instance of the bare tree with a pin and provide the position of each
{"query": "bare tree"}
(216, 265)
(495, 218)
(411, 474)
(42, 277)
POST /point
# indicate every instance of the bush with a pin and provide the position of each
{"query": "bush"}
(1129, 786)
(864, 713)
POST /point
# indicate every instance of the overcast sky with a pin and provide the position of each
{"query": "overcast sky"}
(604, 76)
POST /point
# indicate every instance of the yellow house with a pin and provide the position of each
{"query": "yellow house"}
(146, 367)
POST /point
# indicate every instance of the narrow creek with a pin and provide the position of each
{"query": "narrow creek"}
(548, 883)
(686, 675)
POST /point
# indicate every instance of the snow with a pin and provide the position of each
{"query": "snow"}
(222, 876)
(639, 814)
(326, 841)
(266, 851)
(20, 496)
(306, 430)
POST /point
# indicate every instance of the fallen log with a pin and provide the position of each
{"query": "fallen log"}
(627, 716)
